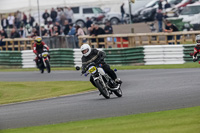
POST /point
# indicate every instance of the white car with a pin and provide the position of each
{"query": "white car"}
(81, 13)
(191, 12)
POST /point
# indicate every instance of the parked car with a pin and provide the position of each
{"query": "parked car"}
(147, 13)
(174, 11)
(81, 13)
(190, 11)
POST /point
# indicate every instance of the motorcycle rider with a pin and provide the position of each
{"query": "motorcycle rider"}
(96, 56)
(38, 47)
(196, 48)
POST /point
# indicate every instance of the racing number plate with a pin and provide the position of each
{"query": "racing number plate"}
(92, 69)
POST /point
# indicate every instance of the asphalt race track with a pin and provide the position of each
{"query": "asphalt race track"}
(143, 91)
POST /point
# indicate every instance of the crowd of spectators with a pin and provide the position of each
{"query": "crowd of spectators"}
(56, 22)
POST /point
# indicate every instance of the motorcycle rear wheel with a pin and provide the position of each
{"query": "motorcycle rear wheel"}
(103, 91)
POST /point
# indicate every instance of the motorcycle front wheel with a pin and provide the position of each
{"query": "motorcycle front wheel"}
(42, 70)
(48, 66)
(118, 92)
(103, 91)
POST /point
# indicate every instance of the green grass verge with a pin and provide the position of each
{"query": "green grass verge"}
(174, 66)
(11, 92)
(185, 120)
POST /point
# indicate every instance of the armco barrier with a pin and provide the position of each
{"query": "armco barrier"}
(187, 50)
(124, 56)
(10, 59)
(164, 54)
(62, 58)
(27, 59)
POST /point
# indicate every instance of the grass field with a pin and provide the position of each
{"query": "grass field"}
(185, 120)
(11, 92)
(173, 66)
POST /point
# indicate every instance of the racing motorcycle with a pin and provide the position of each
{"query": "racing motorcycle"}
(43, 61)
(105, 84)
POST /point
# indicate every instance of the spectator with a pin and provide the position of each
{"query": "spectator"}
(88, 22)
(108, 28)
(53, 15)
(34, 33)
(18, 19)
(22, 32)
(171, 28)
(167, 5)
(4, 23)
(159, 17)
(24, 19)
(91, 30)
(66, 29)
(14, 33)
(11, 21)
(44, 31)
(62, 17)
(79, 31)
(3, 34)
(31, 20)
(45, 16)
(58, 26)
(70, 15)
(99, 31)
(37, 27)
(122, 12)
(160, 7)
(72, 30)
(58, 18)
(55, 31)
(1, 41)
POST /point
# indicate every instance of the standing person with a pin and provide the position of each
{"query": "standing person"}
(171, 28)
(159, 17)
(160, 7)
(53, 15)
(4, 23)
(88, 22)
(24, 18)
(18, 19)
(11, 20)
(66, 29)
(122, 12)
(45, 16)
(31, 20)
(167, 5)
(70, 15)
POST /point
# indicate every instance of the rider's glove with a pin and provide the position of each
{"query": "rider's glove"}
(194, 59)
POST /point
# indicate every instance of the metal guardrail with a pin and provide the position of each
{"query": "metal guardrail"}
(140, 39)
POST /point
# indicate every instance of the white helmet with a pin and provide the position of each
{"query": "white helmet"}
(86, 47)
(198, 39)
